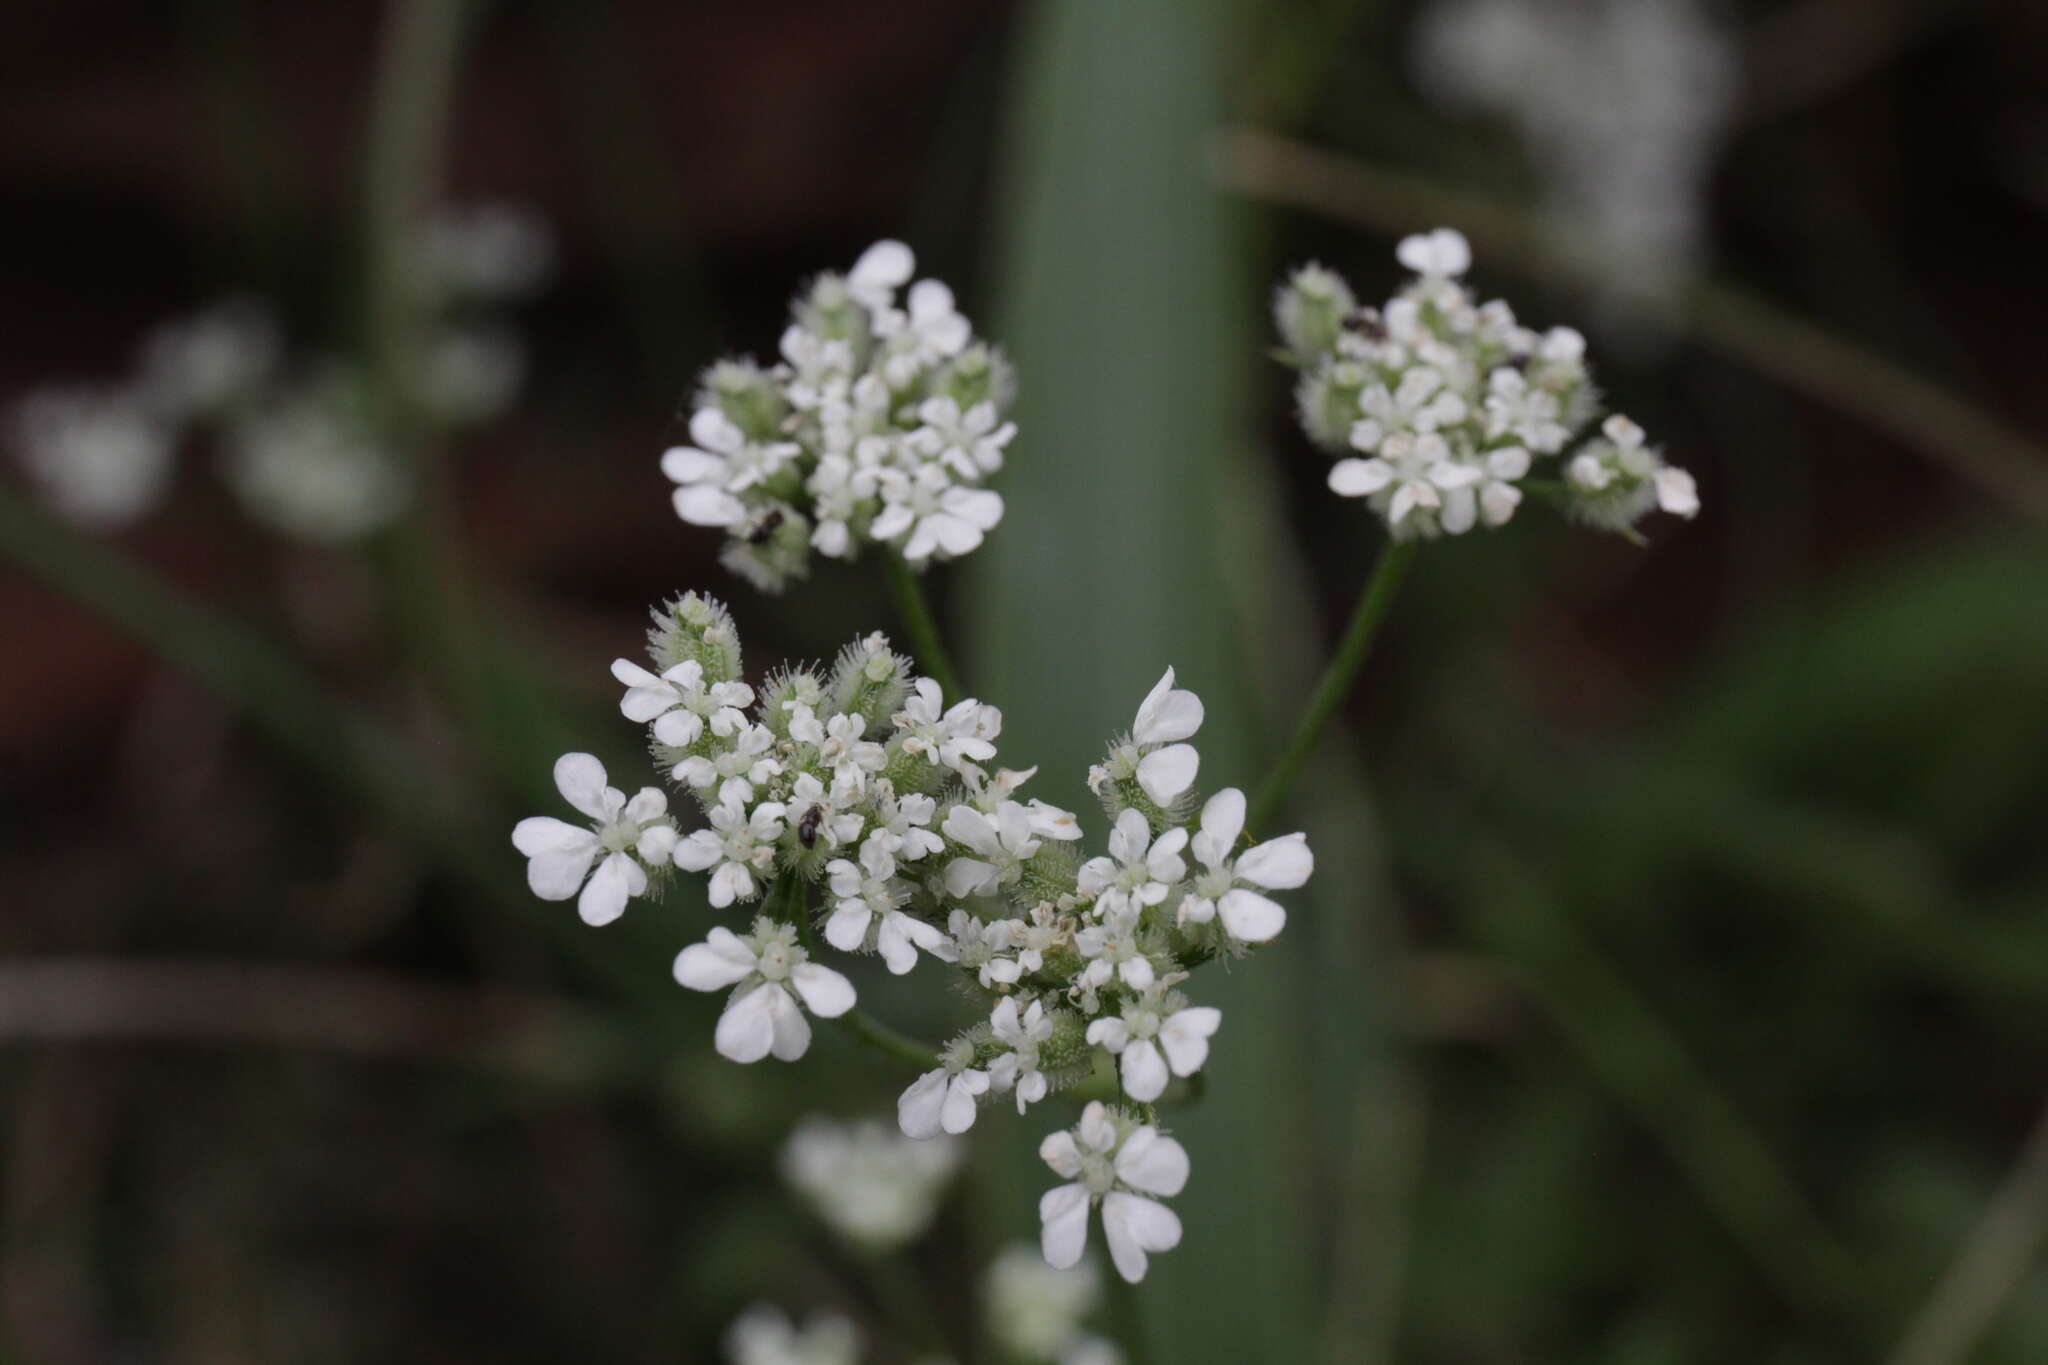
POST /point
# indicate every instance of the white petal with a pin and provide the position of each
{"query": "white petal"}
(1134, 1225)
(1249, 917)
(917, 1109)
(969, 877)
(687, 464)
(792, 1030)
(1167, 714)
(1509, 462)
(958, 1115)
(1060, 1152)
(580, 779)
(617, 880)
(719, 961)
(848, 925)
(1676, 492)
(699, 851)
(747, 1028)
(1166, 773)
(899, 954)
(827, 992)
(1461, 511)
(1222, 822)
(1154, 1164)
(1498, 501)
(676, 728)
(1185, 1037)
(703, 505)
(712, 429)
(1278, 864)
(887, 264)
(1128, 839)
(1359, 478)
(1144, 1071)
(1064, 1211)
(1110, 1034)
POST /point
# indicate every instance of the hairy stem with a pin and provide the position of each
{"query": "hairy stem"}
(907, 591)
(1373, 602)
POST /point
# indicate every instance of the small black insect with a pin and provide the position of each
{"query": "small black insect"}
(1368, 322)
(764, 528)
(807, 826)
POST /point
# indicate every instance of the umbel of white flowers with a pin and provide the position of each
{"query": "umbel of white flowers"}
(878, 426)
(859, 783)
(1444, 408)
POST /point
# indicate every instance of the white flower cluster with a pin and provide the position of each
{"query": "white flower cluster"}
(870, 1183)
(1443, 406)
(879, 425)
(860, 781)
(306, 452)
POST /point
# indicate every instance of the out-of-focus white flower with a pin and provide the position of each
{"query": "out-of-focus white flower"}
(98, 456)
(1034, 1310)
(871, 1183)
(493, 252)
(312, 464)
(470, 374)
(764, 1335)
(209, 363)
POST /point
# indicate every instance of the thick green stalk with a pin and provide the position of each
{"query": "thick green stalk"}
(916, 613)
(1337, 680)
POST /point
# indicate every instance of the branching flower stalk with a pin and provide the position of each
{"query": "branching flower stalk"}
(861, 807)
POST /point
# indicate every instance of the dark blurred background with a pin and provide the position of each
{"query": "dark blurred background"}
(1674, 984)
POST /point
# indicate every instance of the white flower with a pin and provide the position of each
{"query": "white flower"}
(933, 517)
(1530, 415)
(1111, 948)
(764, 1336)
(881, 270)
(871, 898)
(957, 738)
(1417, 469)
(1021, 1033)
(626, 832)
(1619, 478)
(1163, 766)
(1159, 1032)
(722, 463)
(840, 745)
(1004, 845)
(1119, 1164)
(943, 1100)
(824, 815)
(1221, 889)
(100, 458)
(871, 1183)
(1495, 498)
(312, 465)
(902, 823)
(738, 845)
(928, 331)
(678, 702)
(1140, 870)
(1421, 402)
(986, 947)
(970, 443)
(771, 974)
(204, 365)
(841, 490)
(1676, 492)
(1442, 253)
(735, 771)
(1035, 1311)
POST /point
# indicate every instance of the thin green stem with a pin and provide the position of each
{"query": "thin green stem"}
(1337, 679)
(907, 591)
(786, 900)
(1127, 1320)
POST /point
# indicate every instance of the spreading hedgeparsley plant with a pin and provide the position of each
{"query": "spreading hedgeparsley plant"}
(865, 807)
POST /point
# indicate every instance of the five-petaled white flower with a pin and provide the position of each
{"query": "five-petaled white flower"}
(1140, 870)
(1419, 470)
(957, 737)
(771, 974)
(1421, 402)
(734, 771)
(1004, 845)
(1159, 1032)
(1222, 887)
(1494, 499)
(931, 515)
(738, 844)
(1021, 1032)
(626, 832)
(678, 702)
(870, 897)
(1122, 1165)
(943, 1099)
(970, 443)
